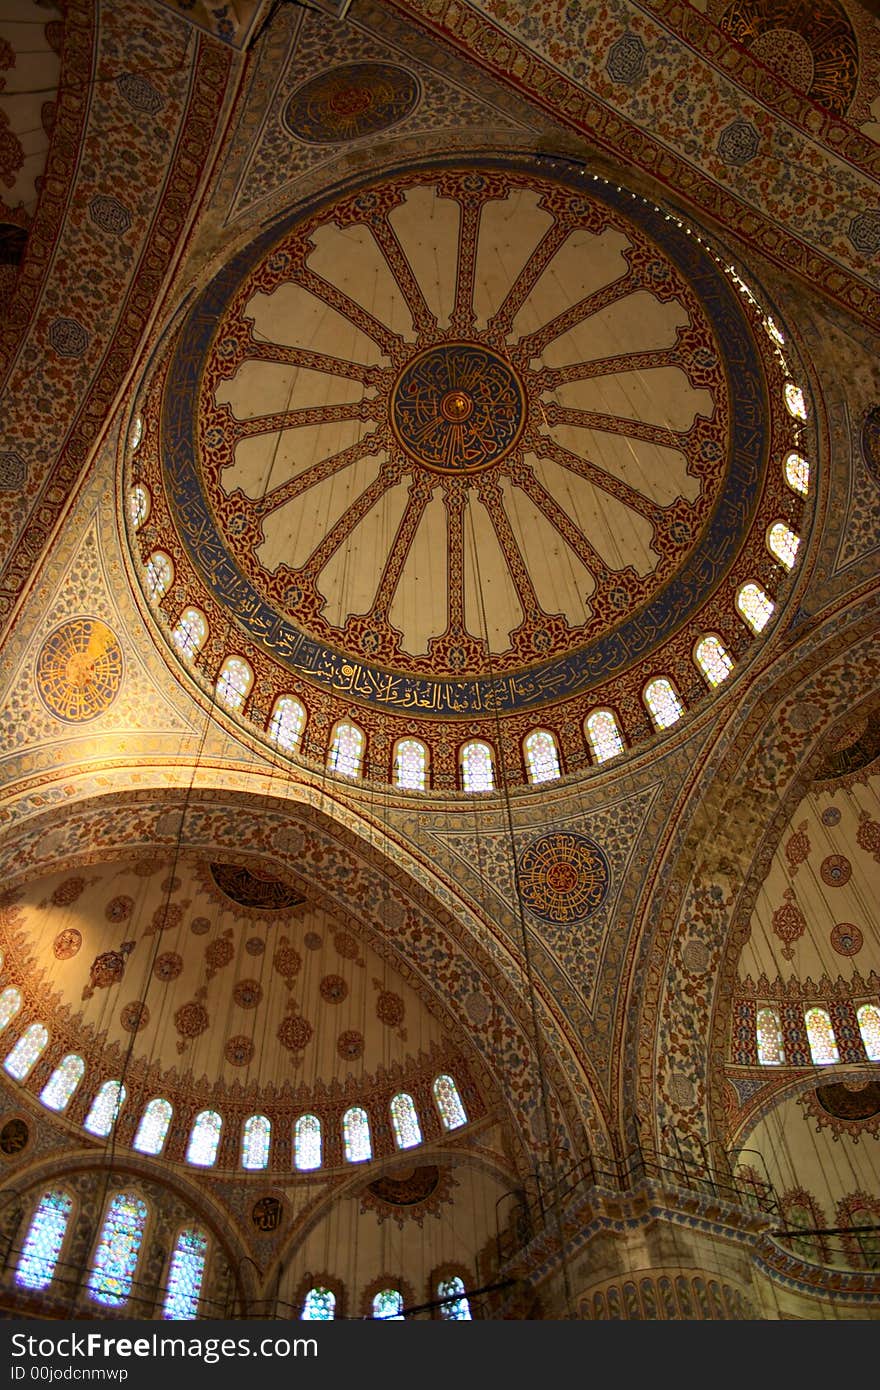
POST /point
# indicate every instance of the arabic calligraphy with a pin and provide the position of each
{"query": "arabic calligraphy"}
(457, 408)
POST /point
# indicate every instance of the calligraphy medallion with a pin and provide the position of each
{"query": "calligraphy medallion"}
(563, 877)
(457, 408)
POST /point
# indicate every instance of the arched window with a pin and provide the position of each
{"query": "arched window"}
(773, 332)
(603, 735)
(783, 543)
(794, 401)
(185, 1274)
(138, 505)
(255, 1142)
(356, 1133)
(664, 705)
(449, 1104)
(542, 756)
(116, 1255)
(190, 632)
(477, 774)
(823, 1045)
(63, 1082)
(137, 432)
(160, 574)
(204, 1139)
(26, 1051)
(455, 1307)
(388, 1305)
(234, 682)
(287, 723)
(105, 1109)
(868, 1016)
(10, 1003)
(319, 1305)
(153, 1126)
(346, 750)
(407, 1131)
(43, 1242)
(410, 764)
(771, 1049)
(713, 659)
(307, 1143)
(797, 473)
(755, 606)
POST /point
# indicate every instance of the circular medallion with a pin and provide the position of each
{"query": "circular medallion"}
(333, 989)
(266, 1215)
(390, 1008)
(294, 1032)
(66, 943)
(79, 670)
(119, 909)
(846, 939)
(68, 892)
(14, 1137)
(247, 993)
(563, 877)
(168, 966)
(457, 408)
(835, 870)
(134, 1016)
(350, 1045)
(239, 1050)
(349, 102)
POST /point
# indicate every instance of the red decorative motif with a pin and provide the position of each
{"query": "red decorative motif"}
(346, 945)
(294, 1032)
(68, 892)
(218, 953)
(333, 989)
(199, 925)
(788, 925)
(108, 969)
(66, 943)
(134, 1017)
(390, 1009)
(350, 1045)
(166, 918)
(868, 835)
(254, 946)
(313, 941)
(835, 870)
(846, 939)
(247, 993)
(168, 966)
(797, 847)
(287, 961)
(191, 1020)
(239, 1051)
(119, 909)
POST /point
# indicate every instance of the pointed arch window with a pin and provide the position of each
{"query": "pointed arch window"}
(477, 772)
(105, 1109)
(190, 633)
(307, 1143)
(771, 1049)
(287, 723)
(542, 756)
(160, 574)
(356, 1134)
(63, 1082)
(153, 1127)
(388, 1305)
(797, 473)
(234, 682)
(346, 750)
(255, 1143)
(116, 1255)
(204, 1139)
(319, 1305)
(455, 1307)
(138, 505)
(43, 1242)
(452, 1112)
(10, 1003)
(783, 543)
(663, 703)
(794, 401)
(185, 1274)
(27, 1050)
(713, 659)
(868, 1016)
(411, 764)
(755, 606)
(823, 1044)
(137, 432)
(405, 1120)
(603, 735)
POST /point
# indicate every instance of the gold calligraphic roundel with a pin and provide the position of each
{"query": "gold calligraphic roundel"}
(79, 670)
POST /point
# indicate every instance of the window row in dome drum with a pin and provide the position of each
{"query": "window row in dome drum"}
(387, 1305)
(820, 1035)
(111, 1274)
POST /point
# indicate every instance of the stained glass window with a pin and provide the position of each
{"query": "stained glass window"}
(307, 1143)
(797, 473)
(794, 401)
(783, 543)
(713, 659)
(105, 1108)
(755, 606)
(319, 1305)
(138, 505)
(604, 735)
(10, 1003)
(868, 1016)
(823, 1045)
(411, 765)
(42, 1244)
(773, 331)
(153, 1126)
(255, 1142)
(346, 750)
(476, 767)
(542, 756)
(137, 432)
(204, 1139)
(287, 723)
(190, 632)
(234, 682)
(26, 1051)
(160, 573)
(771, 1050)
(449, 1103)
(356, 1133)
(63, 1082)
(665, 706)
(185, 1275)
(388, 1305)
(458, 1310)
(117, 1252)
(407, 1131)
